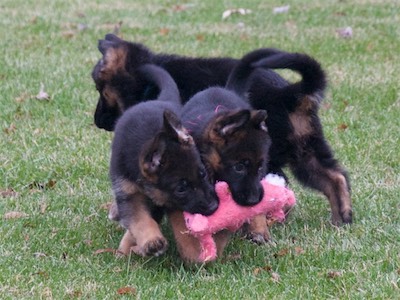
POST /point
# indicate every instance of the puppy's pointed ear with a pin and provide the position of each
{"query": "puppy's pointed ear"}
(258, 118)
(228, 124)
(175, 130)
(114, 57)
(104, 45)
(112, 38)
(151, 157)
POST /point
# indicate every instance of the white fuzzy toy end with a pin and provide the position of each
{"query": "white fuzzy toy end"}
(275, 179)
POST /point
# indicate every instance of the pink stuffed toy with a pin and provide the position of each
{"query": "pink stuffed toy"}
(231, 216)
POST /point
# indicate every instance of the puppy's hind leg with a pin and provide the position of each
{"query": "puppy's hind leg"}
(325, 175)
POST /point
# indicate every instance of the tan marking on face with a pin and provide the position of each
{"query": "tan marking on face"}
(112, 97)
(213, 160)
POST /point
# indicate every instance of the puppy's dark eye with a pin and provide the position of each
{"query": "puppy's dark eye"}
(239, 168)
(182, 187)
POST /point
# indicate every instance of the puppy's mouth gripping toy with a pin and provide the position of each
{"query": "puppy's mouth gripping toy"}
(230, 216)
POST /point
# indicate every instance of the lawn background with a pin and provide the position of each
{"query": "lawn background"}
(54, 161)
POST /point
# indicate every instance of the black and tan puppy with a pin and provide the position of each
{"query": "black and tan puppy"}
(155, 166)
(121, 86)
(293, 123)
(233, 141)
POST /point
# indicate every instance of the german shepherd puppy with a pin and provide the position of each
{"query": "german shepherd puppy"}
(293, 123)
(233, 141)
(121, 86)
(154, 167)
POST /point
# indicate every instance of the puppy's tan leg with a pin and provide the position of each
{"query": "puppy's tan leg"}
(143, 234)
(221, 239)
(148, 236)
(257, 230)
(188, 246)
(126, 244)
(336, 190)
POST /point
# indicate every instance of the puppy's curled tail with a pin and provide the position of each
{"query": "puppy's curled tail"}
(313, 81)
(239, 78)
(162, 79)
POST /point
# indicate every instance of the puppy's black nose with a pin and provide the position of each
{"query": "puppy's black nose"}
(253, 200)
(210, 208)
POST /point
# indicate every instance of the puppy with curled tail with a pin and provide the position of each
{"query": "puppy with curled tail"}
(293, 122)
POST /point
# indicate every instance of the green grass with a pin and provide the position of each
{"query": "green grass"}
(50, 253)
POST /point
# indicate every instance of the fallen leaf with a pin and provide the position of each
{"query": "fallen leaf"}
(275, 277)
(164, 31)
(281, 9)
(15, 215)
(346, 32)
(88, 242)
(200, 37)
(75, 294)
(126, 290)
(340, 13)
(43, 207)
(10, 129)
(180, 7)
(106, 250)
(299, 250)
(42, 273)
(281, 253)
(22, 97)
(106, 206)
(8, 193)
(42, 186)
(240, 11)
(67, 34)
(42, 94)
(257, 271)
(334, 274)
(343, 127)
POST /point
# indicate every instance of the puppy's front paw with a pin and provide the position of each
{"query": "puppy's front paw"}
(155, 247)
(257, 237)
(257, 230)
